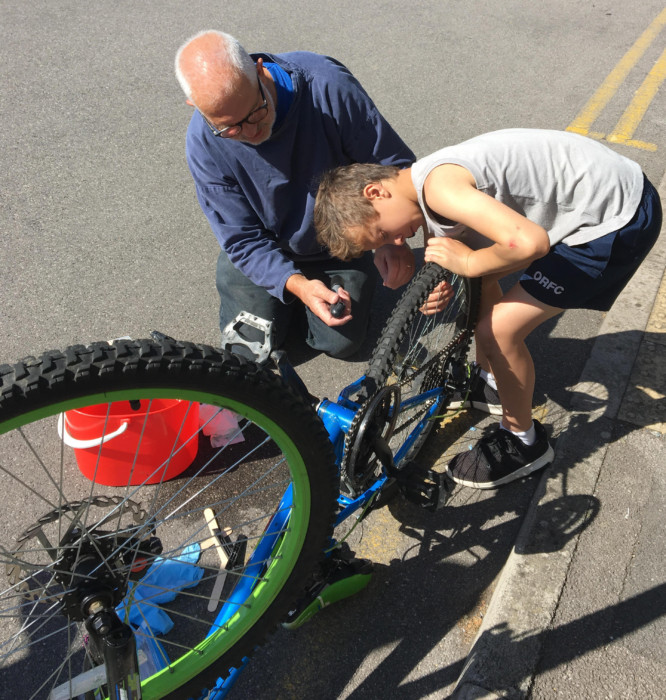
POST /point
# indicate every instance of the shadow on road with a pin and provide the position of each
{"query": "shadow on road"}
(396, 638)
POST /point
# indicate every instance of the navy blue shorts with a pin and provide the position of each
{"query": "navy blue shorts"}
(592, 275)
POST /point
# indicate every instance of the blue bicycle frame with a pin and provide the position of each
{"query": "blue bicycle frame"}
(337, 418)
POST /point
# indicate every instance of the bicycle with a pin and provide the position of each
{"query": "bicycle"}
(147, 582)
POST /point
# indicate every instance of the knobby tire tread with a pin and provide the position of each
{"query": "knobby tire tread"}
(407, 307)
(384, 354)
(38, 382)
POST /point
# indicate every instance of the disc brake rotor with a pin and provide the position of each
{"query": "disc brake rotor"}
(95, 542)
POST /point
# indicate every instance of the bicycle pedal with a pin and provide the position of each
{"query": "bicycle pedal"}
(329, 594)
(430, 490)
(343, 579)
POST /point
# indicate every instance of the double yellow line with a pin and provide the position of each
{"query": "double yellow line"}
(625, 128)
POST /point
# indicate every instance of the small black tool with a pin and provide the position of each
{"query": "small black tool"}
(338, 309)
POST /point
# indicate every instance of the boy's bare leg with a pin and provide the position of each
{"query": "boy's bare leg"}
(500, 338)
(491, 294)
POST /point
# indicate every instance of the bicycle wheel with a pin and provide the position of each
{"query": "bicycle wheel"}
(422, 353)
(144, 546)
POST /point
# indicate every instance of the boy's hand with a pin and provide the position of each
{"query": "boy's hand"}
(395, 264)
(450, 254)
(438, 299)
(318, 298)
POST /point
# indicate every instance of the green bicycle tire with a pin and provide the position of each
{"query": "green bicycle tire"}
(283, 442)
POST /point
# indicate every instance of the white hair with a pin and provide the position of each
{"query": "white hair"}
(229, 53)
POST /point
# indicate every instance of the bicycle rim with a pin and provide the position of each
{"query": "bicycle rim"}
(146, 542)
(418, 352)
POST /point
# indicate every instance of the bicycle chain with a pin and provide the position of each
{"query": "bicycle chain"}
(436, 363)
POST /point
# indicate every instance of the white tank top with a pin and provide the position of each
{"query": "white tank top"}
(575, 188)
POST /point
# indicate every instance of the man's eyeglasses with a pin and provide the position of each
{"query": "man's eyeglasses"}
(255, 116)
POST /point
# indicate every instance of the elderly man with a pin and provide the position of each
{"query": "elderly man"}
(265, 128)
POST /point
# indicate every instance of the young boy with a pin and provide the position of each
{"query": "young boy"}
(574, 215)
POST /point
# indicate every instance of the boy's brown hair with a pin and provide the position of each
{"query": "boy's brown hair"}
(341, 206)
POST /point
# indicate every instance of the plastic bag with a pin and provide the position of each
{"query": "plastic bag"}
(220, 424)
(161, 584)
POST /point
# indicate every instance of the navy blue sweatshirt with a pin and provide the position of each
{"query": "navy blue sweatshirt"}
(259, 200)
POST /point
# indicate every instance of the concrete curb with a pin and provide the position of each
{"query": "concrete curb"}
(503, 658)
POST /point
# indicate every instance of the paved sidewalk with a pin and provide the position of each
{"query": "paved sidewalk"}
(580, 608)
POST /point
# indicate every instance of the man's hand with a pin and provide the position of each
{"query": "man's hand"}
(395, 264)
(318, 298)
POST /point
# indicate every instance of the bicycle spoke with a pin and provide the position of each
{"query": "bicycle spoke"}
(417, 352)
(81, 557)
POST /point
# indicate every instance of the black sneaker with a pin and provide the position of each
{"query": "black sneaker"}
(500, 458)
(481, 395)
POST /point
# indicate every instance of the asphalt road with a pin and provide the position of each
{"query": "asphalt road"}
(102, 237)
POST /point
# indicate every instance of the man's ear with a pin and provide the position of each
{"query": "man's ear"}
(189, 102)
(375, 190)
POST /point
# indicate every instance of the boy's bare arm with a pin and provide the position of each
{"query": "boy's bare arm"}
(450, 191)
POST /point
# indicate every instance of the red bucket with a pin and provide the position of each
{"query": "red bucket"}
(160, 435)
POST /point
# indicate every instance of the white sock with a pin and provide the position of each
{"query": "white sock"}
(528, 437)
(489, 379)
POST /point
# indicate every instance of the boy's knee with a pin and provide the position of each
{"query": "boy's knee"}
(492, 337)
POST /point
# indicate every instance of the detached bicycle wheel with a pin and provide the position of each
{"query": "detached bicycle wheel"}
(115, 502)
(421, 354)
